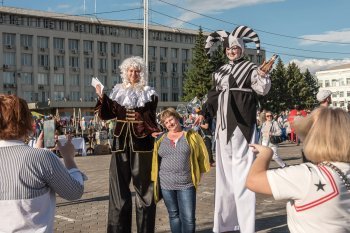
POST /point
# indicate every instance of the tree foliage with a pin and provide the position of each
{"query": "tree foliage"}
(197, 79)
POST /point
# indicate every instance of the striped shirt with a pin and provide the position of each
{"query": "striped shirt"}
(175, 169)
(30, 177)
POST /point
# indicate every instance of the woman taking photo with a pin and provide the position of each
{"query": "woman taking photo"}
(31, 177)
(179, 160)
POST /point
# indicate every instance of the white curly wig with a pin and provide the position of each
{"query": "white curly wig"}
(136, 63)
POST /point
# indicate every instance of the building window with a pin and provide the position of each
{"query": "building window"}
(326, 84)
(152, 81)
(174, 53)
(341, 94)
(9, 78)
(184, 67)
(185, 54)
(9, 39)
(320, 84)
(115, 64)
(58, 43)
(58, 95)
(10, 59)
(175, 97)
(43, 79)
(102, 47)
(88, 63)
(127, 49)
(88, 46)
(152, 51)
(73, 45)
(163, 67)
(43, 60)
(334, 83)
(43, 42)
(102, 64)
(139, 50)
(75, 95)
(115, 48)
(348, 81)
(58, 79)
(27, 41)
(26, 59)
(151, 66)
(348, 94)
(164, 82)
(163, 52)
(27, 78)
(164, 96)
(87, 80)
(174, 82)
(74, 80)
(73, 62)
(174, 67)
(58, 61)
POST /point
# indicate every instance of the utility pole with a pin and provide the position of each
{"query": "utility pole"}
(145, 33)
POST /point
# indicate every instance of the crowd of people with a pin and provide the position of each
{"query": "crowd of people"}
(166, 157)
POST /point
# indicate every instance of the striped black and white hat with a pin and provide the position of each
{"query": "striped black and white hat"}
(238, 37)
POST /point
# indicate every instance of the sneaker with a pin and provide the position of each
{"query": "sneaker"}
(213, 164)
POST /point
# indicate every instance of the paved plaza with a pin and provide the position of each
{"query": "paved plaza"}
(89, 214)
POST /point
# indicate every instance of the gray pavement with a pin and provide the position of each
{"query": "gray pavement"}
(89, 214)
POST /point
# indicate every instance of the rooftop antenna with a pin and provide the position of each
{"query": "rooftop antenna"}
(84, 8)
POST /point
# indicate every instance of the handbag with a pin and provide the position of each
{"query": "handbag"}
(275, 139)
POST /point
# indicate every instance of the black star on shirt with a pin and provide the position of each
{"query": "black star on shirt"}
(320, 186)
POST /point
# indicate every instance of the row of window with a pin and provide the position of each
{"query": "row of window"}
(26, 41)
(74, 80)
(93, 28)
(9, 59)
(334, 82)
(43, 96)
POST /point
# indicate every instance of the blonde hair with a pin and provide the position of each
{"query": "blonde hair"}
(325, 134)
(169, 112)
(136, 63)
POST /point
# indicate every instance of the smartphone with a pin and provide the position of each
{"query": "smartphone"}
(49, 133)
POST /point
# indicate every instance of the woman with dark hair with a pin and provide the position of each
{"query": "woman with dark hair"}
(31, 177)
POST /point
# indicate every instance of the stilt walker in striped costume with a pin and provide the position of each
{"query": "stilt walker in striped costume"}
(232, 100)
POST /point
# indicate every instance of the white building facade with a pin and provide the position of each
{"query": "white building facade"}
(48, 59)
(337, 80)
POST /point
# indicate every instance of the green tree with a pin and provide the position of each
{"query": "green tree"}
(197, 79)
(278, 97)
(218, 58)
(310, 99)
(297, 85)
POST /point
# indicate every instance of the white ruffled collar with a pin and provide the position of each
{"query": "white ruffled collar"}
(130, 97)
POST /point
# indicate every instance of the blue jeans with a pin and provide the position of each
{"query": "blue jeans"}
(181, 206)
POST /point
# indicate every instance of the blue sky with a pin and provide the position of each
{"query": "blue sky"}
(293, 29)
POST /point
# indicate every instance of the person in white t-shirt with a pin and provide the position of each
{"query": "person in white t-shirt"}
(318, 192)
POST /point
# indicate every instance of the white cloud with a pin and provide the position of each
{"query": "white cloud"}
(340, 36)
(211, 7)
(315, 65)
